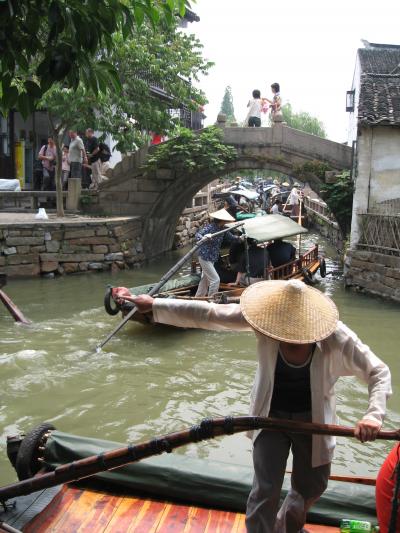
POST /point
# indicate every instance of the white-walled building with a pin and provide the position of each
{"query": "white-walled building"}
(373, 260)
(374, 132)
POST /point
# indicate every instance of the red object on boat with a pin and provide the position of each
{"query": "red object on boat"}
(385, 483)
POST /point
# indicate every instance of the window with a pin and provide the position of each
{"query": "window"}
(350, 101)
(4, 140)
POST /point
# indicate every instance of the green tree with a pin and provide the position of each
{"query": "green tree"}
(339, 198)
(227, 105)
(193, 152)
(68, 42)
(166, 58)
(303, 121)
(67, 109)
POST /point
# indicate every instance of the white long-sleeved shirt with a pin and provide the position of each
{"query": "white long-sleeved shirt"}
(341, 354)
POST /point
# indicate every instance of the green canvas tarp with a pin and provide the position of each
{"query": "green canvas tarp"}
(270, 227)
(176, 283)
(205, 483)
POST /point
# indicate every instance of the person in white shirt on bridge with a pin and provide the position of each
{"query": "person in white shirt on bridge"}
(254, 115)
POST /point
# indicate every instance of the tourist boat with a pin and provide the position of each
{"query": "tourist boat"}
(264, 229)
(164, 493)
(238, 197)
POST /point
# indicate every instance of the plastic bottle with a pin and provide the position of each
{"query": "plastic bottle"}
(355, 526)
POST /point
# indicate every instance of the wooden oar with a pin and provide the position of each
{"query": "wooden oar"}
(299, 221)
(207, 429)
(164, 280)
(359, 480)
(13, 309)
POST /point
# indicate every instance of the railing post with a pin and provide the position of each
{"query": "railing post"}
(300, 262)
(74, 194)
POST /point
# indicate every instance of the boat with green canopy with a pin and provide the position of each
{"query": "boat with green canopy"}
(139, 488)
(264, 230)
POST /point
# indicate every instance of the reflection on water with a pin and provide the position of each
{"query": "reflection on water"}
(149, 381)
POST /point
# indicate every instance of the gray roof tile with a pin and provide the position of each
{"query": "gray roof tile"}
(379, 101)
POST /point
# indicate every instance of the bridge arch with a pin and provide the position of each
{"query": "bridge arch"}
(159, 197)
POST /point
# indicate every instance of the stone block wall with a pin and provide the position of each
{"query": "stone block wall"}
(188, 223)
(327, 228)
(373, 273)
(50, 248)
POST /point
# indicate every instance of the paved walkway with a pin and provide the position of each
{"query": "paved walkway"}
(25, 219)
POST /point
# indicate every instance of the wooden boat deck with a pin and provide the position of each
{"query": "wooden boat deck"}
(76, 510)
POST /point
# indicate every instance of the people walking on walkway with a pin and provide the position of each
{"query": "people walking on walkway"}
(209, 251)
(93, 154)
(65, 167)
(253, 119)
(48, 157)
(303, 349)
(77, 154)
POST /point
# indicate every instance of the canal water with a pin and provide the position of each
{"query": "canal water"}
(153, 380)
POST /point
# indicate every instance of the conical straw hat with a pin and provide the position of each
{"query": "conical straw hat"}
(289, 311)
(222, 214)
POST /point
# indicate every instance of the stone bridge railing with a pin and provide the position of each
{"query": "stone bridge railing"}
(160, 196)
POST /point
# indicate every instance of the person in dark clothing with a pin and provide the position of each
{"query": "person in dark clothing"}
(93, 154)
(231, 206)
(281, 252)
(236, 251)
(258, 262)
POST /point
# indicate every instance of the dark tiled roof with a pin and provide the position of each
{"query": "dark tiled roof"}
(191, 16)
(380, 59)
(379, 101)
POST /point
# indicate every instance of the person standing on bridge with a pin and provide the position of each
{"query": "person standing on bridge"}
(254, 115)
(276, 103)
(209, 251)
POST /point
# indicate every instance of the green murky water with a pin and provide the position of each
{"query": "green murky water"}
(150, 381)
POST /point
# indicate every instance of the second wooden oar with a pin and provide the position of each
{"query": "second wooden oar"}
(16, 313)
(207, 429)
(165, 278)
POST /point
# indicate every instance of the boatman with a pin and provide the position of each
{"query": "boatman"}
(209, 251)
(302, 351)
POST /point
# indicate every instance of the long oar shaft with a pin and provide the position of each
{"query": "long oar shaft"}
(167, 276)
(16, 313)
(206, 430)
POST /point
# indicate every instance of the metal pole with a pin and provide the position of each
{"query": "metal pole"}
(164, 280)
(247, 258)
(299, 222)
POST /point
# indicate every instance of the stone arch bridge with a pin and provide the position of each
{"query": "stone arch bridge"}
(160, 196)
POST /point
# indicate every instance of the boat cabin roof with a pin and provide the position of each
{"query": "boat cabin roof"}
(246, 193)
(271, 227)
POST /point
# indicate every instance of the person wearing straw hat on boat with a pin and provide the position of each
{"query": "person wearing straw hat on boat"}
(209, 251)
(303, 349)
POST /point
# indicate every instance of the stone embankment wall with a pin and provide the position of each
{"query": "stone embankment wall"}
(328, 229)
(188, 223)
(44, 248)
(374, 273)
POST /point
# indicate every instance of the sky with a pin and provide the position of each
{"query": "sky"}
(309, 47)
